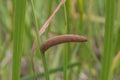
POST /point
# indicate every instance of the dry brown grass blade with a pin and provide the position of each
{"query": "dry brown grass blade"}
(44, 27)
(42, 30)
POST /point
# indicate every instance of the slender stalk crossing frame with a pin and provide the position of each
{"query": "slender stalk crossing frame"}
(42, 55)
(67, 31)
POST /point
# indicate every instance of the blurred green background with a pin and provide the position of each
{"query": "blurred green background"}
(86, 18)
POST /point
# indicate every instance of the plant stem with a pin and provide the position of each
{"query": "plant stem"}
(80, 6)
(42, 54)
(67, 45)
(45, 66)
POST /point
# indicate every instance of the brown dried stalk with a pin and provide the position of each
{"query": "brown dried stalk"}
(46, 24)
(61, 39)
(42, 30)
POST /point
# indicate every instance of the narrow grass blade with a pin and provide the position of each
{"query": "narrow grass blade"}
(19, 18)
(31, 77)
(108, 42)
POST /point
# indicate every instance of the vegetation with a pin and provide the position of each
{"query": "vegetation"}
(31, 33)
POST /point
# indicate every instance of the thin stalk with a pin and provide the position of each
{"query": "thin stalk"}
(42, 55)
(80, 29)
(66, 19)
(45, 66)
(65, 62)
(19, 19)
(67, 46)
(67, 16)
(80, 7)
(36, 23)
(37, 33)
(108, 43)
(53, 71)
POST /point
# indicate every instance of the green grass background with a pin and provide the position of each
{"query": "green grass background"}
(97, 59)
